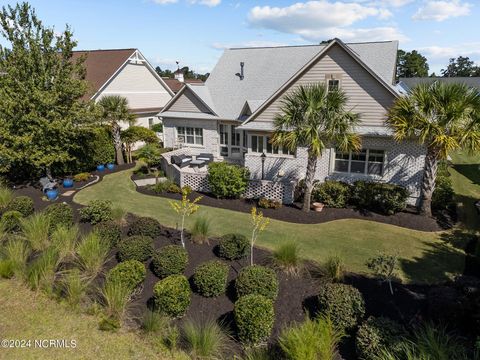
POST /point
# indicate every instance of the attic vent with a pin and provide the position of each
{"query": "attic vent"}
(240, 74)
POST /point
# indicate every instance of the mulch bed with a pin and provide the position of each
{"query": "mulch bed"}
(294, 214)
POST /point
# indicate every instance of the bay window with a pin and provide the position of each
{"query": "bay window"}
(365, 162)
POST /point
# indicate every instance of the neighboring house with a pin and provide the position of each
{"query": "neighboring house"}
(177, 83)
(232, 114)
(127, 73)
(405, 84)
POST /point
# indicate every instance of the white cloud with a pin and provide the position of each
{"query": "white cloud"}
(253, 43)
(442, 10)
(164, 2)
(322, 20)
(386, 3)
(209, 3)
(445, 52)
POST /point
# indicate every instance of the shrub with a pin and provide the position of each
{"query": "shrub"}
(172, 295)
(269, 204)
(109, 232)
(311, 340)
(377, 334)
(254, 318)
(84, 176)
(200, 230)
(59, 214)
(15, 256)
(116, 300)
(256, 279)
(384, 198)
(154, 322)
(442, 197)
(11, 221)
(335, 194)
(36, 229)
(334, 268)
(22, 204)
(135, 248)
(41, 272)
(162, 186)
(130, 273)
(287, 258)
(210, 278)
(343, 303)
(119, 215)
(227, 180)
(96, 211)
(169, 260)
(6, 195)
(92, 254)
(385, 267)
(174, 188)
(204, 340)
(64, 239)
(233, 247)
(73, 286)
(145, 226)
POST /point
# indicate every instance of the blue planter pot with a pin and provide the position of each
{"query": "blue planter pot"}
(67, 183)
(52, 194)
(100, 167)
(110, 166)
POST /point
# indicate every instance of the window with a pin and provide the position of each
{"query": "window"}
(333, 84)
(150, 123)
(261, 143)
(190, 135)
(366, 162)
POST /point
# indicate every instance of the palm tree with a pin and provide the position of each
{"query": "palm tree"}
(315, 118)
(443, 117)
(114, 109)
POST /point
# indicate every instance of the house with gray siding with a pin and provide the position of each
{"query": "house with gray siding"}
(231, 115)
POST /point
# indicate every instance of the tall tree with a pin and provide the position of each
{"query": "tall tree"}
(411, 64)
(444, 118)
(313, 117)
(114, 109)
(40, 93)
(461, 66)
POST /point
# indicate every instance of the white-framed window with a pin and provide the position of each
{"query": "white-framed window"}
(261, 144)
(332, 81)
(190, 135)
(364, 162)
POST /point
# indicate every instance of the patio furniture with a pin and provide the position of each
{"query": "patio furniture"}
(181, 160)
(197, 163)
(208, 158)
(47, 184)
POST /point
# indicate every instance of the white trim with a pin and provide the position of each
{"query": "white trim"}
(365, 171)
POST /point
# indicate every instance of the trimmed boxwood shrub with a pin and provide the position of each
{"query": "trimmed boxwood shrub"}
(233, 246)
(334, 194)
(11, 220)
(343, 303)
(377, 334)
(109, 232)
(254, 317)
(59, 214)
(97, 211)
(135, 248)
(257, 279)
(129, 273)
(172, 295)
(169, 260)
(145, 226)
(22, 204)
(383, 198)
(227, 180)
(210, 278)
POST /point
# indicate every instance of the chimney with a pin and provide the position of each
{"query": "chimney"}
(179, 76)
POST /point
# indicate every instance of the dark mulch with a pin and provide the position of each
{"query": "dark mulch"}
(293, 213)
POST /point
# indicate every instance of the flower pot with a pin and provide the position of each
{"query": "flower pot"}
(67, 183)
(318, 206)
(110, 166)
(52, 194)
(101, 167)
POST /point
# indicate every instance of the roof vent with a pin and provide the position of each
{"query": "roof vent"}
(240, 74)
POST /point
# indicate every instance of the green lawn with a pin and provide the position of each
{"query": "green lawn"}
(426, 257)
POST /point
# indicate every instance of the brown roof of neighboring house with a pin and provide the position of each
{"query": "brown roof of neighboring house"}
(101, 65)
(176, 85)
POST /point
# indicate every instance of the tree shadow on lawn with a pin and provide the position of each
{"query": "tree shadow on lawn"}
(470, 171)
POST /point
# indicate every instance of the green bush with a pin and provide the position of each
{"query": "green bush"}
(12, 221)
(174, 188)
(60, 214)
(172, 295)
(200, 230)
(22, 204)
(335, 194)
(96, 211)
(210, 278)
(109, 232)
(145, 226)
(377, 334)
(383, 198)
(84, 176)
(233, 247)
(269, 203)
(162, 186)
(227, 180)
(442, 197)
(130, 273)
(254, 317)
(135, 248)
(343, 303)
(257, 279)
(169, 260)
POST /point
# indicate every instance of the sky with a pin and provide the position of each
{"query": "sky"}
(195, 32)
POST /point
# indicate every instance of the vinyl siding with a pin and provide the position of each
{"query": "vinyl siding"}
(188, 102)
(366, 95)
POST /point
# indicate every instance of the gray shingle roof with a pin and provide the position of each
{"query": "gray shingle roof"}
(412, 82)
